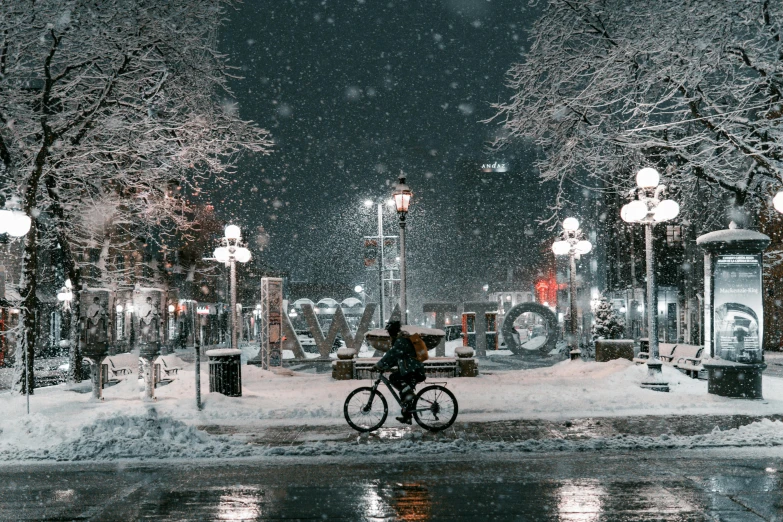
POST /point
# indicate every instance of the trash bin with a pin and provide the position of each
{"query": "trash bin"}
(225, 371)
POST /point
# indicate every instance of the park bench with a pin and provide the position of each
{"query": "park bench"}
(665, 351)
(435, 368)
(167, 367)
(684, 357)
(688, 359)
(117, 367)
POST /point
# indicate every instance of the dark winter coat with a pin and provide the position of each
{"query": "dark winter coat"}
(403, 356)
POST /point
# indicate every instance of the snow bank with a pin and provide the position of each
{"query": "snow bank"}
(114, 437)
(144, 437)
(67, 424)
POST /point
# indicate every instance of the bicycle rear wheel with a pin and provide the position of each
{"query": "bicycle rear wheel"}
(435, 408)
(361, 414)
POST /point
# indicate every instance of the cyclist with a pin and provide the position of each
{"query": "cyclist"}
(409, 370)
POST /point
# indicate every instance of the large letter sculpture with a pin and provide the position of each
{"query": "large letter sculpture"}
(440, 310)
(481, 308)
(339, 324)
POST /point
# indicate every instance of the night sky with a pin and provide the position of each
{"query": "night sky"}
(355, 91)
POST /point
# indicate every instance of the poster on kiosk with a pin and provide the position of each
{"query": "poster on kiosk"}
(737, 311)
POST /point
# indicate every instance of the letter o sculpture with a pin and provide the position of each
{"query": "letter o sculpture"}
(549, 317)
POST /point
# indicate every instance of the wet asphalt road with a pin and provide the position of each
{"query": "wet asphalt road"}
(725, 485)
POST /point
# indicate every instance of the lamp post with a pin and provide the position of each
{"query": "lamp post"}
(65, 296)
(229, 253)
(573, 245)
(648, 209)
(402, 199)
(16, 223)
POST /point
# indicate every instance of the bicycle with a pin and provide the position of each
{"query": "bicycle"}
(434, 407)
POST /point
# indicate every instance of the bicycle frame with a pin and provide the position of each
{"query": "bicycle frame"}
(382, 379)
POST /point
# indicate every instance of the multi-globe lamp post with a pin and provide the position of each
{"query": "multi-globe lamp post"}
(16, 223)
(402, 199)
(573, 245)
(229, 253)
(649, 209)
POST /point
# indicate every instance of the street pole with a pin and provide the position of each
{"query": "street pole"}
(403, 299)
(232, 315)
(574, 353)
(197, 344)
(380, 265)
(654, 367)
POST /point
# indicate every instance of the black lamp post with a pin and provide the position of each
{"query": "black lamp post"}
(402, 198)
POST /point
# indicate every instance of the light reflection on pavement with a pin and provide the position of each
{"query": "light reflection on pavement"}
(585, 487)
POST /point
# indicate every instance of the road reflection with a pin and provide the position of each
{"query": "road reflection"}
(580, 501)
(410, 502)
(241, 503)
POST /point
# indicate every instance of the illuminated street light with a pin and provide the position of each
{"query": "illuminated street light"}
(402, 198)
(572, 245)
(229, 253)
(649, 210)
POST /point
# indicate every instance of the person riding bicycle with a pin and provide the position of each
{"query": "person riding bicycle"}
(409, 370)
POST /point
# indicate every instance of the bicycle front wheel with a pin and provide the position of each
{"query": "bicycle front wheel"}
(435, 408)
(363, 415)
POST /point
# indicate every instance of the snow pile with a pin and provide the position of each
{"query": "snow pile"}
(121, 437)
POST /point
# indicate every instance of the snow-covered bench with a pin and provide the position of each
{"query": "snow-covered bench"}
(435, 367)
(665, 351)
(117, 367)
(167, 367)
(684, 357)
(687, 359)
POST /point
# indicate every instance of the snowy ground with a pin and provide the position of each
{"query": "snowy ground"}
(67, 425)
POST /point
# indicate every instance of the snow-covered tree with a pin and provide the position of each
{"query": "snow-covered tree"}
(608, 324)
(693, 87)
(106, 107)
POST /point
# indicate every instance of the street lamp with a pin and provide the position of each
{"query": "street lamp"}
(14, 222)
(402, 199)
(229, 253)
(648, 210)
(777, 201)
(573, 245)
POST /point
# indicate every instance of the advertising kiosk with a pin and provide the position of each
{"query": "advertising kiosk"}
(733, 311)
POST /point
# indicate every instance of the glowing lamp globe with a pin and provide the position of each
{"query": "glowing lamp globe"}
(18, 225)
(222, 254)
(367, 202)
(233, 232)
(242, 254)
(571, 224)
(402, 195)
(583, 247)
(561, 248)
(777, 202)
(647, 178)
(666, 210)
(358, 289)
(634, 212)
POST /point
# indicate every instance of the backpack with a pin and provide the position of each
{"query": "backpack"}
(422, 354)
